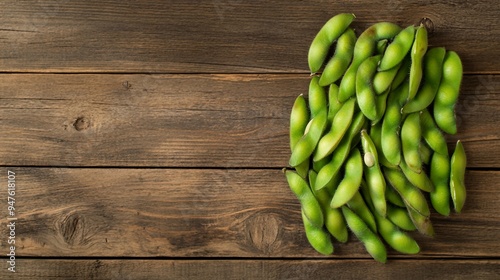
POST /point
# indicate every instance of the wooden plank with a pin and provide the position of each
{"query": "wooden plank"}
(73, 212)
(28, 269)
(185, 120)
(218, 36)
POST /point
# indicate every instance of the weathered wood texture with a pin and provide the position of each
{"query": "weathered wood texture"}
(185, 120)
(34, 269)
(207, 213)
(225, 36)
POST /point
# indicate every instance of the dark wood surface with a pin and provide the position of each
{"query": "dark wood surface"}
(148, 138)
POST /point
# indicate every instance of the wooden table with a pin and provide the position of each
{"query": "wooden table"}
(147, 139)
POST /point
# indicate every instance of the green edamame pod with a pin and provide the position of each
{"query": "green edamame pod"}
(365, 94)
(299, 117)
(306, 145)
(397, 50)
(457, 181)
(317, 97)
(307, 200)
(400, 217)
(333, 104)
(340, 154)
(322, 42)
(364, 48)
(440, 175)
(393, 196)
(358, 205)
(390, 135)
(376, 135)
(351, 181)
(340, 124)
(418, 50)
(381, 46)
(448, 92)
(370, 240)
(340, 60)
(419, 180)
(403, 74)
(433, 65)
(411, 134)
(317, 165)
(421, 222)
(398, 240)
(410, 194)
(373, 175)
(425, 153)
(319, 239)
(383, 79)
(303, 168)
(334, 220)
(432, 135)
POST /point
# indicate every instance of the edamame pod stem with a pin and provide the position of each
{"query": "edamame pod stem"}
(340, 60)
(324, 39)
(410, 194)
(397, 50)
(340, 124)
(365, 47)
(411, 134)
(351, 182)
(373, 174)
(418, 50)
(432, 134)
(390, 135)
(319, 239)
(447, 93)
(440, 176)
(365, 94)
(457, 181)
(341, 153)
(299, 117)
(306, 145)
(334, 220)
(317, 97)
(370, 240)
(310, 206)
(433, 65)
(358, 205)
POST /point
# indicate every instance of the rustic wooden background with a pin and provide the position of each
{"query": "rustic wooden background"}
(147, 139)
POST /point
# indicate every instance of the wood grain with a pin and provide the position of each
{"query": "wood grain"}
(218, 36)
(34, 269)
(185, 120)
(94, 212)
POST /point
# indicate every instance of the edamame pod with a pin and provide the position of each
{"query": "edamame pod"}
(317, 97)
(365, 94)
(364, 48)
(440, 176)
(370, 240)
(340, 60)
(433, 64)
(306, 145)
(411, 134)
(390, 134)
(400, 217)
(432, 135)
(310, 206)
(457, 181)
(425, 152)
(397, 50)
(334, 220)
(340, 124)
(333, 104)
(418, 50)
(376, 135)
(373, 175)
(351, 181)
(324, 39)
(340, 154)
(448, 92)
(319, 239)
(299, 117)
(410, 194)
(393, 196)
(403, 74)
(383, 79)
(358, 205)
(421, 222)
(419, 180)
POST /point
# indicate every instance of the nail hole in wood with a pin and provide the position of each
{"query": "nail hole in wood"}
(81, 123)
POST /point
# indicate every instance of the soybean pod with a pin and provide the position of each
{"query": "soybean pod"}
(340, 60)
(418, 50)
(457, 181)
(309, 203)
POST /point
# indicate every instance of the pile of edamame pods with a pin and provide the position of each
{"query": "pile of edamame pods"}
(368, 149)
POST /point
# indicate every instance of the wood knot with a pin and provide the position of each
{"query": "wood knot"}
(263, 229)
(72, 229)
(81, 123)
(428, 24)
